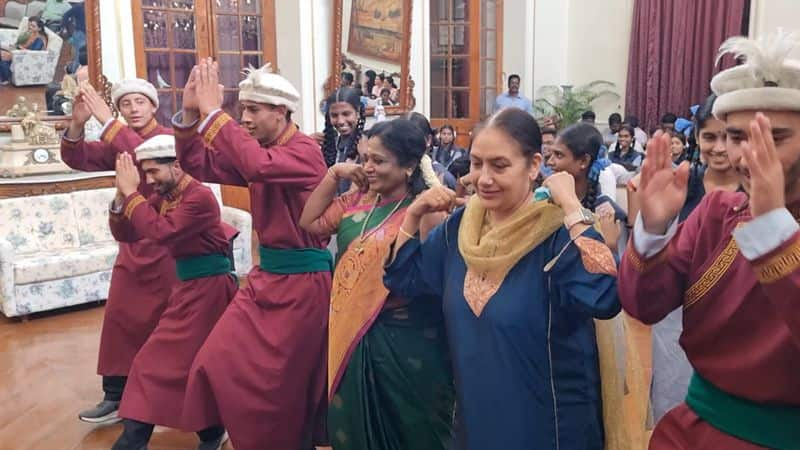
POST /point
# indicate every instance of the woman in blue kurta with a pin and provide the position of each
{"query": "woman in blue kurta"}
(521, 281)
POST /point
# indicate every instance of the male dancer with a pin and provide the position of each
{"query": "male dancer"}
(143, 273)
(733, 265)
(262, 371)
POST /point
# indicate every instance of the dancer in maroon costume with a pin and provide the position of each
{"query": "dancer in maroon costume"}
(144, 272)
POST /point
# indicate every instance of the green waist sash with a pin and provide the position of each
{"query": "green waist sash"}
(766, 425)
(295, 260)
(202, 266)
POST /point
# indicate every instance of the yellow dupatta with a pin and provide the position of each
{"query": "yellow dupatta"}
(490, 254)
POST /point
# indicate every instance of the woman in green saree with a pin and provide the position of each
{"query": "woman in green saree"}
(390, 384)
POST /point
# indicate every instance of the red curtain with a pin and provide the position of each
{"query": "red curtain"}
(673, 47)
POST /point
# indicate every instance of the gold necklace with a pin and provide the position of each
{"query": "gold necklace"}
(364, 235)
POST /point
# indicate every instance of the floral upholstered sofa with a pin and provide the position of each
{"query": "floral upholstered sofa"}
(57, 250)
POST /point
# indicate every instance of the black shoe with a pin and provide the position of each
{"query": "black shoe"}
(214, 444)
(105, 413)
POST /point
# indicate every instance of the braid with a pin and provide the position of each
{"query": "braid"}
(329, 145)
(352, 152)
(590, 198)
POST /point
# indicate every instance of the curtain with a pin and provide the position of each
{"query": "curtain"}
(673, 49)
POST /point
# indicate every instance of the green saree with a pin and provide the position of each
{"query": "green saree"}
(390, 381)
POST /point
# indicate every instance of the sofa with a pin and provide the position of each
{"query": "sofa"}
(57, 250)
(32, 67)
(14, 12)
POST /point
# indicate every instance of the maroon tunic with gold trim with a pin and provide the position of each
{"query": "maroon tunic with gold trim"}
(262, 371)
(143, 273)
(741, 319)
(187, 223)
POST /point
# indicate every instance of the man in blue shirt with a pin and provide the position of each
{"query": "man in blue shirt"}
(512, 98)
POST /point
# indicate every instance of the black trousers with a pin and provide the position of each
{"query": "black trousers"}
(137, 434)
(113, 387)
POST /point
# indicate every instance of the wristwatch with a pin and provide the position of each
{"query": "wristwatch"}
(582, 215)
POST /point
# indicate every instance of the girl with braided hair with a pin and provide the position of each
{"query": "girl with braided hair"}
(575, 151)
(344, 126)
(390, 385)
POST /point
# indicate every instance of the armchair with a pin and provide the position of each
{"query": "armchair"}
(34, 67)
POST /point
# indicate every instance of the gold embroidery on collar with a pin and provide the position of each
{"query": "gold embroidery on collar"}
(215, 127)
(112, 132)
(173, 198)
(478, 290)
(712, 275)
(147, 129)
(780, 265)
(291, 130)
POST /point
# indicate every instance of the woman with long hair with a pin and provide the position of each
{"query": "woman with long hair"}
(344, 127)
(576, 151)
(389, 377)
(520, 281)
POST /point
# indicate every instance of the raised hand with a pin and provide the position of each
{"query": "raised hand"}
(190, 91)
(97, 105)
(436, 199)
(209, 94)
(80, 111)
(610, 228)
(128, 179)
(662, 189)
(767, 182)
(352, 172)
(562, 191)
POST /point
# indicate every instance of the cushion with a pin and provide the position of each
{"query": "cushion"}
(17, 226)
(91, 213)
(65, 264)
(54, 224)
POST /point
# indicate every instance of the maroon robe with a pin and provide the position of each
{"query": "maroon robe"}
(262, 371)
(143, 273)
(187, 223)
(741, 320)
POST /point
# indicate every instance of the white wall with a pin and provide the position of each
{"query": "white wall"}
(558, 42)
(116, 34)
(550, 40)
(766, 16)
(598, 46)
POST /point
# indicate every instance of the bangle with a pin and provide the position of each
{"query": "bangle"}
(406, 233)
(332, 174)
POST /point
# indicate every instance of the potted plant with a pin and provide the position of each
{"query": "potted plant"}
(567, 103)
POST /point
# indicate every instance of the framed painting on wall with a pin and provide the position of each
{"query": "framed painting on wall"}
(376, 29)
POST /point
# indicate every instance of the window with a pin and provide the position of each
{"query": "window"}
(465, 51)
(450, 58)
(171, 35)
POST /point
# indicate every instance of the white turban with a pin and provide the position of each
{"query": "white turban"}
(134, 86)
(160, 146)
(768, 80)
(263, 86)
